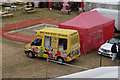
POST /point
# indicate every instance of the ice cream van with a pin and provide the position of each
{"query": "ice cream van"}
(55, 43)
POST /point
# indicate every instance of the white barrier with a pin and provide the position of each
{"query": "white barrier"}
(67, 64)
(63, 64)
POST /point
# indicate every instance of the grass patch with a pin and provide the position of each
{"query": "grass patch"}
(19, 16)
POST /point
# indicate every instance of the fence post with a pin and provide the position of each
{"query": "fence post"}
(101, 60)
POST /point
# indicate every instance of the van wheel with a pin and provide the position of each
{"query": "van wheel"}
(31, 55)
(60, 60)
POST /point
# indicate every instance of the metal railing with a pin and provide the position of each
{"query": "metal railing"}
(63, 64)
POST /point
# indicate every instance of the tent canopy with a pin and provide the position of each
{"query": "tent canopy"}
(94, 29)
(87, 20)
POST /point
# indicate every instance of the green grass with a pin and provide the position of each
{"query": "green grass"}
(19, 16)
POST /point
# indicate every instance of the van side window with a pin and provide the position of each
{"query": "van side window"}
(55, 43)
(62, 44)
(47, 41)
(37, 42)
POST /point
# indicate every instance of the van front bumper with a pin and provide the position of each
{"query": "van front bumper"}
(26, 52)
(70, 59)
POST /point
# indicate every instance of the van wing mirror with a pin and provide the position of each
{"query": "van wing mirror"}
(32, 44)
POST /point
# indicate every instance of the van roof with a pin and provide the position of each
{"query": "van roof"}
(59, 30)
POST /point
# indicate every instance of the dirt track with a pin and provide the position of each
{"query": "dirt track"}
(17, 65)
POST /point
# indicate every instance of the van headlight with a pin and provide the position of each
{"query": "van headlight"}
(25, 47)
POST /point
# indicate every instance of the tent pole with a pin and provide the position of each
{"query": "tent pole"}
(101, 60)
(82, 5)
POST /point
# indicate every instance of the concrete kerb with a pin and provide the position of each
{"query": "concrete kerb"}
(33, 27)
(11, 36)
(49, 60)
(67, 64)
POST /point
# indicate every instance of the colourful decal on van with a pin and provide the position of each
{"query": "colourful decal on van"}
(58, 53)
(64, 55)
(54, 54)
(41, 52)
(36, 50)
(50, 52)
(61, 52)
(73, 53)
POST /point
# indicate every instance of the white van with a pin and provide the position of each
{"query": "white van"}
(114, 14)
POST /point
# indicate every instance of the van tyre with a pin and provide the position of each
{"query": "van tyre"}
(60, 60)
(31, 55)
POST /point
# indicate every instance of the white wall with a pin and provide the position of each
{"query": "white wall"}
(101, 72)
(114, 2)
